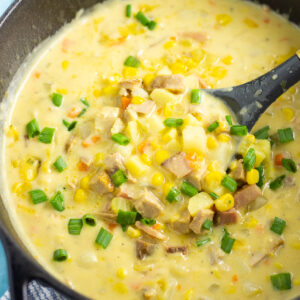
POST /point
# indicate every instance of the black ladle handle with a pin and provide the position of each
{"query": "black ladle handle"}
(248, 101)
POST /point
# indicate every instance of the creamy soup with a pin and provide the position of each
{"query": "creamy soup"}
(126, 180)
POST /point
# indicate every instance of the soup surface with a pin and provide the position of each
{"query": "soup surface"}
(118, 167)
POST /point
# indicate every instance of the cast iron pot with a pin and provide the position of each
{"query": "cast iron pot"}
(22, 28)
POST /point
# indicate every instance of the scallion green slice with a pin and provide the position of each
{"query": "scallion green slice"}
(285, 135)
(60, 164)
(229, 183)
(128, 10)
(202, 242)
(60, 255)
(239, 130)
(229, 120)
(131, 61)
(89, 219)
(84, 102)
(261, 172)
(213, 195)
(57, 202)
(151, 25)
(188, 189)
(196, 96)
(281, 281)
(262, 134)
(277, 183)
(38, 196)
(70, 126)
(119, 177)
(142, 18)
(227, 242)
(104, 237)
(83, 111)
(173, 195)
(289, 165)
(278, 225)
(149, 222)
(46, 135)
(207, 224)
(249, 159)
(172, 122)
(121, 139)
(75, 226)
(125, 218)
(57, 99)
(32, 128)
(213, 126)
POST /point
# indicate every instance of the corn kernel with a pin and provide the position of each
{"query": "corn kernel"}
(223, 19)
(288, 113)
(251, 138)
(170, 135)
(252, 176)
(214, 178)
(62, 91)
(98, 159)
(214, 166)
(46, 166)
(85, 182)
(132, 232)
(296, 281)
(239, 244)
(97, 93)
(218, 72)
(80, 196)
(178, 68)
(227, 60)
(189, 294)
(130, 72)
(250, 23)
(28, 169)
(21, 187)
(121, 273)
(217, 273)
(137, 100)
(169, 44)
(185, 43)
(65, 64)
(120, 288)
(15, 163)
(251, 223)
(211, 143)
(148, 79)
(223, 138)
(161, 156)
(13, 133)
(167, 187)
(225, 202)
(109, 90)
(158, 179)
(146, 159)
(278, 265)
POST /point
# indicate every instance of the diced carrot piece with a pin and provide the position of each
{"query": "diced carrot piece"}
(112, 226)
(235, 278)
(179, 286)
(82, 166)
(266, 20)
(74, 112)
(95, 139)
(156, 226)
(125, 102)
(141, 147)
(278, 159)
(66, 44)
(37, 75)
(86, 144)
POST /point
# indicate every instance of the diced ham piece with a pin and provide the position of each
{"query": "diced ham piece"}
(114, 162)
(150, 231)
(130, 84)
(173, 83)
(178, 165)
(246, 195)
(196, 177)
(182, 224)
(101, 183)
(199, 219)
(181, 249)
(239, 173)
(108, 216)
(143, 249)
(148, 205)
(145, 108)
(226, 217)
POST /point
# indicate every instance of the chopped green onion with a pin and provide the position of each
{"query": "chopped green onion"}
(70, 126)
(172, 122)
(285, 135)
(213, 126)
(142, 18)
(227, 242)
(249, 159)
(60, 164)
(125, 218)
(84, 102)
(75, 226)
(119, 177)
(121, 139)
(89, 219)
(83, 111)
(262, 134)
(188, 189)
(131, 61)
(103, 238)
(46, 135)
(240, 130)
(229, 183)
(32, 128)
(149, 222)
(151, 25)
(213, 195)
(58, 202)
(207, 224)
(173, 195)
(289, 165)
(196, 96)
(277, 183)
(128, 10)
(278, 225)
(57, 99)
(38, 196)
(202, 242)
(60, 255)
(261, 172)
(281, 281)
(229, 120)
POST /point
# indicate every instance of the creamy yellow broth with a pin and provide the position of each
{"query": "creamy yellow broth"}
(212, 43)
